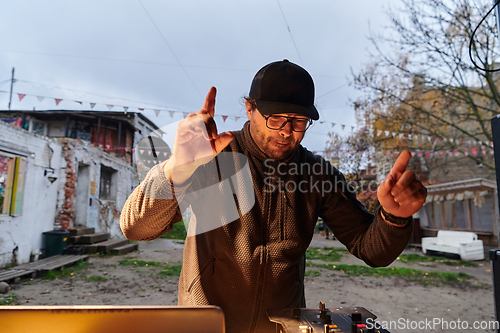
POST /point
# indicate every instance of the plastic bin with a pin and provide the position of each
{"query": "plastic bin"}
(55, 242)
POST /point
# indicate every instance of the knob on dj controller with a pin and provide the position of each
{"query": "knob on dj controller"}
(324, 320)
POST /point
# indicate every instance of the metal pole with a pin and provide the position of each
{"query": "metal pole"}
(11, 86)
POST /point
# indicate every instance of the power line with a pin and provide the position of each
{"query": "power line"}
(290, 32)
(128, 61)
(170, 48)
(345, 84)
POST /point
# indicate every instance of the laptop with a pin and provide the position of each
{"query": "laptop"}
(110, 319)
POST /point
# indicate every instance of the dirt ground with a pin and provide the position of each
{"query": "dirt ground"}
(394, 301)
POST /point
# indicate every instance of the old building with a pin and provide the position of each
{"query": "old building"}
(63, 170)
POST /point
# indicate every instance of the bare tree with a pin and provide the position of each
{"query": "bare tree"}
(423, 93)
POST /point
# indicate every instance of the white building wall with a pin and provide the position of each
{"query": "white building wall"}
(102, 215)
(21, 235)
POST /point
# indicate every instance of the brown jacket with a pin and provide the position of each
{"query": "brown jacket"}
(256, 262)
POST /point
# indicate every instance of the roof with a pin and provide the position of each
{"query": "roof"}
(463, 185)
(116, 115)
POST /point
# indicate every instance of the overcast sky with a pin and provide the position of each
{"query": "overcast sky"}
(165, 55)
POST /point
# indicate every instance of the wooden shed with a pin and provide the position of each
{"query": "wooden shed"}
(466, 205)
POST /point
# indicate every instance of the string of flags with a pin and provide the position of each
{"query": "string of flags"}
(456, 152)
(157, 111)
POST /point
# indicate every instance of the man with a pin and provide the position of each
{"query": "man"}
(253, 260)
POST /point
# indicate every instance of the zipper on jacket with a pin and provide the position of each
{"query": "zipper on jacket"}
(260, 287)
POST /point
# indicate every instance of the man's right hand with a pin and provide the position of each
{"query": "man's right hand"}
(196, 142)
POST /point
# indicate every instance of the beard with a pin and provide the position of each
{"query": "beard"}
(274, 146)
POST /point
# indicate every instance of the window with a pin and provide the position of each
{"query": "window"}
(37, 127)
(107, 188)
(11, 184)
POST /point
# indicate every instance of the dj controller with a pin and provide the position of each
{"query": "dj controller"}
(323, 320)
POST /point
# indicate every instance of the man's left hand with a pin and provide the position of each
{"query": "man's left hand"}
(401, 194)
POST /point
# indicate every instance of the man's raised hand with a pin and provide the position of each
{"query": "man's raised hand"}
(401, 194)
(197, 141)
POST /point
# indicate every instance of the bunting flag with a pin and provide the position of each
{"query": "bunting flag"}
(21, 96)
(343, 126)
(110, 106)
(224, 118)
(333, 124)
(171, 114)
(140, 109)
(40, 98)
(125, 109)
(157, 112)
(185, 114)
(79, 102)
(92, 106)
(58, 100)
(321, 122)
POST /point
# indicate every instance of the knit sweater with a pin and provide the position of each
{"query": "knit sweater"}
(254, 259)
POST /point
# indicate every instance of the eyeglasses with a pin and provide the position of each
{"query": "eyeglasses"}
(278, 122)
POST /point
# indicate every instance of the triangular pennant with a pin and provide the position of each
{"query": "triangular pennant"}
(58, 100)
(92, 106)
(343, 126)
(79, 102)
(321, 121)
(171, 114)
(125, 108)
(110, 106)
(141, 151)
(140, 109)
(185, 114)
(333, 124)
(236, 118)
(21, 96)
(352, 128)
(157, 112)
(149, 152)
(224, 118)
(165, 153)
(40, 98)
(108, 147)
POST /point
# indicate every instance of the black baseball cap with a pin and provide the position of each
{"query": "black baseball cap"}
(284, 87)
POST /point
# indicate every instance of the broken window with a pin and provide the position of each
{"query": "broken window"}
(107, 188)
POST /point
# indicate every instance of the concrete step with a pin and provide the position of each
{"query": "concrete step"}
(125, 249)
(93, 238)
(81, 231)
(106, 246)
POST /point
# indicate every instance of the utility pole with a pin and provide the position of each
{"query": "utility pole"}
(11, 86)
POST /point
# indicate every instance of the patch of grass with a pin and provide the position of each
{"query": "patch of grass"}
(27, 283)
(140, 263)
(65, 271)
(179, 242)
(312, 273)
(168, 271)
(413, 257)
(325, 253)
(9, 299)
(409, 274)
(178, 232)
(96, 278)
